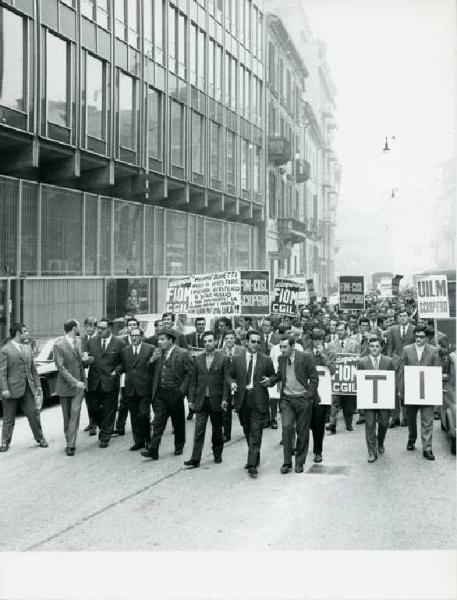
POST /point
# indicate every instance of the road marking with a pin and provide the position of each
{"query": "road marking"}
(327, 470)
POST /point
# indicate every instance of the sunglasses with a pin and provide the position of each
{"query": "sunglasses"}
(254, 341)
(420, 336)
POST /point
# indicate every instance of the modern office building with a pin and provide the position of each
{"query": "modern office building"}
(132, 148)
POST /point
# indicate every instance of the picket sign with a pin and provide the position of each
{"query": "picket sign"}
(423, 386)
(375, 389)
(325, 385)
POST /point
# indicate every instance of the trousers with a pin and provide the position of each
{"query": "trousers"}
(217, 440)
(71, 409)
(252, 421)
(296, 411)
(30, 410)
(426, 424)
(317, 426)
(103, 407)
(139, 408)
(372, 437)
(169, 403)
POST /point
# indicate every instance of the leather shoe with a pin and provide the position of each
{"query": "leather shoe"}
(190, 416)
(381, 449)
(410, 445)
(428, 454)
(394, 423)
(103, 444)
(360, 421)
(218, 459)
(148, 453)
(192, 463)
(331, 428)
(119, 431)
(246, 466)
(285, 469)
(318, 458)
(70, 451)
(43, 443)
(227, 438)
(93, 430)
(178, 451)
(349, 428)
(298, 468)
(4, 448)
(274, 425)
(136, 447)
(252, 471)
(404, 422)
(88, 428)
(372, 458)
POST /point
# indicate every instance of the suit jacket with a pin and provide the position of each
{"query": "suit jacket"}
(138, 370)
(192, 340)
(430, 358)
(305, 372)
(85, 342)
(385, 363)
(238, 373)
(103, 363)
(69, 364)
(214, 380)
(395, 344)
(238, 350)
(16, 370)
(181, 366)
(351, 346)
(180, 340)
(265, 346)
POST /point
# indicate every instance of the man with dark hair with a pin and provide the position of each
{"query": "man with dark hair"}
(230, 350)
(249, 375)
(168, 321)
(269, 337)
(195, 339)
(300, 381)
(423, 355)
(136, 364)
(223, 325)
(71, 381)
(123, 411)
(172, 372)
(208, 398)
(377, 362)
(103, 379)
(20, 386)
(90, 327)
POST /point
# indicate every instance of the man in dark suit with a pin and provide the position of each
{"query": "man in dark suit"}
(195, 339)
(249, 376)
(222, 325)
(103, 380)
(269, 337)
(208, 398)
(20, 386)
(230, 349)
(123, 411)
(377, 362)
(398, 337)
(172, 372)
(90, 327)
(300, 381)
(424, 355)
(71, 381)
(136, 364)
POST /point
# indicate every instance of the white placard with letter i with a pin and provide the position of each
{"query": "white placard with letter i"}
(423, 385)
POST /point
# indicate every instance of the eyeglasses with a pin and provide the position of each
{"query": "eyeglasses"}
(254, 341)
(420, 335)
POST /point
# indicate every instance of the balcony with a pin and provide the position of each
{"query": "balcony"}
(279, 151)
(302, 170)
(292, 230)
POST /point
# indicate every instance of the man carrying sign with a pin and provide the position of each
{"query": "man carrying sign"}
(422, 355)
(375, 362)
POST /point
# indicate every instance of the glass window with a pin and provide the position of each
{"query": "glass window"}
(95, 97)
(212, 50)
(241, 90)
(132, 16)
(216, 151)
(242, 246)
(106, 227)
(88, 8)
(257, 169)
(201, 59)
(244, 164)
(154, 124)
(218, 71)
(147, 24)
(231, 157)
(228, 74)
(193, 53)
(233, 82)
(158, 30)
(9, 194)
(271, 64)
(247, 93)
(57, 80)
(176, 238)
(120, 18)
(172, 14)
(177, 137)
(103, 13)
(128, 238)
(213, 245)
(181, 42)
(11, 60)
(198, 143)
(241, 20)
(91, 229)
(126, 111)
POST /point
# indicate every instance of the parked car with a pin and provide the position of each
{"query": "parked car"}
(44, 360)
(448, 422)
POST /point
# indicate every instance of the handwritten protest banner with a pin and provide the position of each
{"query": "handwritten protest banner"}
(215, 294)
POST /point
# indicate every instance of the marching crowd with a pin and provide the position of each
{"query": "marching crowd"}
(256, 369)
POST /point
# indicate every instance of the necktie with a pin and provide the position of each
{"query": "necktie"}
(250, 371)
(289, 362)
(135, 351)
(402, 332)
(103, 345)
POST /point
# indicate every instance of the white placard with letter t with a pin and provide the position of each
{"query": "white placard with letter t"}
(423, 385)
(376, 389)
(325, 385)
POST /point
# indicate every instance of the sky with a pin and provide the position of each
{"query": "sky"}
(393, 64)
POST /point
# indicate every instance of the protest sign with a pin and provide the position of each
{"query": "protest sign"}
(255, 293)
(385, 288)
(344, 378)
(311, 291)
(432, 297)
(285, 297)
(396, 285)
(325, 385)
(375, 389)
(178, 296)
(423, 385)
(352, 295)
(215, 294)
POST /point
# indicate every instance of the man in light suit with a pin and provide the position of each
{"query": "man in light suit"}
(249, 376)
(425, 355)
(20, 385)
(208, 398)
(230, 350)
(398, 337)
(90, 326)
(375, 361)
(172, 372)
(299, 378)
(103, 380)
(71, 381)
(136, 364)
(269, 337)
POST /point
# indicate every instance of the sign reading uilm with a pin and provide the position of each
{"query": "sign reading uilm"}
(432, 297)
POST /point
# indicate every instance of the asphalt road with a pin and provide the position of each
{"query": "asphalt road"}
(115, 500)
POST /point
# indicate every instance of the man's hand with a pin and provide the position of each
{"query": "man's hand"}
(156, 355)
(191, 405)
(81, 385)
(6, 394)
(233, 387)
(265, 381)
(224, 405)
(113, 373)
